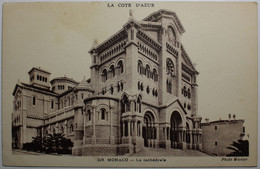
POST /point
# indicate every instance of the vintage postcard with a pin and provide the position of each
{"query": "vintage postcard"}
(129, 84)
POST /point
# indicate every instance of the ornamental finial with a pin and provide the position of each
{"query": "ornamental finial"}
(131, 14)
(95, 43)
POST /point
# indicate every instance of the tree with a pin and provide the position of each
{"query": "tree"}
(48, 143)
(37, 143)
(52, 143)
(240, 148)
(57, 143)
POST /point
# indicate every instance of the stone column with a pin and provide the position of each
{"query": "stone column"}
(191, 141)
(194, 100)
(94, 126)
(165, 133)
(135, 128)
(57, 128)
(66, 128)
(111, 126)
(123, 127)
(84, 125)
(152, 134)
(141, 129)
(129, 128)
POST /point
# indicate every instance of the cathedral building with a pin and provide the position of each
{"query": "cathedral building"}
(142, 93)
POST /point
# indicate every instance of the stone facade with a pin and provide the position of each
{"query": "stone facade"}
(218, 135)
(142, 93)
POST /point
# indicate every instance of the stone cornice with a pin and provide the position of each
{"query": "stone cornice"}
(148, 40)
(131, 23)
(34, 117)
(32, 88)
(187, 69)
(101, 97)
(146, 25)
(187, 59)
(109, 42)
(56, 121)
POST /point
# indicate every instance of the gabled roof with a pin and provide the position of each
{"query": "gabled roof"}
(156, 15)
(187, 59)
(32, 87)
(172, 101)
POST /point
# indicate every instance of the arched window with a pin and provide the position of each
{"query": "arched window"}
(52, 104)
(103, 91)
(122, 85)
(71, 128)
(38, 77)
(34, 100)
(62, 129)
(155, 75)
(120, 67)
(53, 129)
(139, 67)
(188, 93)
(185, 92)
(82, 95)
(169, 86)
(147, 89)
(112, 69)
(142, 87)
(104, 75)
(171, 35)
(89, 115)
(169, 67)
(69, 101)
(138, 85)
(112, 90)
(147, 70)
(118, 87)
(103, 114)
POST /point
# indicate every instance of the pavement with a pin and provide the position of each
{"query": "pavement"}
(146, 152)
(168, 152)
(24, 152)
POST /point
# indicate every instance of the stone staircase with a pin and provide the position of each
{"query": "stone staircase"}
(168, 152)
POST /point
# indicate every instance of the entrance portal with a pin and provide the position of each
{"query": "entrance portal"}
(149, 130)
(175, 133)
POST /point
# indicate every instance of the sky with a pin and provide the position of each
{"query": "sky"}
(220, 38)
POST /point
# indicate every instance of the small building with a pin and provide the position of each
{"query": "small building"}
(218, 135)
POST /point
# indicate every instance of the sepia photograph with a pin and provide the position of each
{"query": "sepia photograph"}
(129, 84)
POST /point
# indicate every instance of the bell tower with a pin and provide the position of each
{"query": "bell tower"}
(39, 77)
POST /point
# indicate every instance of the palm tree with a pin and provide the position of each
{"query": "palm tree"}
(48, 143)
(240, 148)
(57, 143)
(37, 143)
